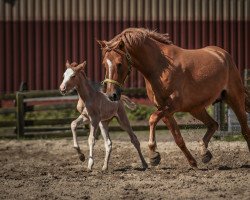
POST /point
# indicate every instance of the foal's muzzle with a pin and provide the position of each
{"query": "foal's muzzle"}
(116, 95)
(62, 89)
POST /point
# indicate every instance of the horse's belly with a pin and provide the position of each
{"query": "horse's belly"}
(201, 98)
(109, 110)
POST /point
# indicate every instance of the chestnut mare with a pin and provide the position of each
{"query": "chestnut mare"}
(177, 80)
(97, 110)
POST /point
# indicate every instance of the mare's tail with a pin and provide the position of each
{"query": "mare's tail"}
(130, 104)
(247, 100)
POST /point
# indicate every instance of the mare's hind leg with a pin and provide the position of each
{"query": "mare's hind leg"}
(237, 103)
(125, 125)
(173, 127)
(212, 126)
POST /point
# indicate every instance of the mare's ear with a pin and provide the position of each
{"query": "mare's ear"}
(102, 43)
(81, 66)
(67, 64)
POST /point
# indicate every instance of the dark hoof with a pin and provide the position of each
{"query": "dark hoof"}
(193, 163)
(207, 157)
(82, 157)
(155, 158)
(144, 166)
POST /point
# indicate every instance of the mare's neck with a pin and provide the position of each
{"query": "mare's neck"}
(152, 58)
(85, 90)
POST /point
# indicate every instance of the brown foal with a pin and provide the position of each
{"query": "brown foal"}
(177, 80)
(97, 110)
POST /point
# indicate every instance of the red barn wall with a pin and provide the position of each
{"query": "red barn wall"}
(38, 36)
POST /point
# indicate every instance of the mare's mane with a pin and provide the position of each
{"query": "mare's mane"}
(136, 36)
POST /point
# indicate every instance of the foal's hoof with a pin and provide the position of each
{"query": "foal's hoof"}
(193, 163)
(82, 157)
(155, 158)
(207, 157)
(89, 170)
(104, 169)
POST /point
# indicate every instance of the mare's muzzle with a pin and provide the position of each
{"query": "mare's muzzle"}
(115, 95)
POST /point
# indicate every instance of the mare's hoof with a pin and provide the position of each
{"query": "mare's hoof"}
(82, 157)
(144, 166)
(155, 158)
(207, 157)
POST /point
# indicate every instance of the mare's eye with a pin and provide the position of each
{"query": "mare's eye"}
(73, 76)
(119, 65)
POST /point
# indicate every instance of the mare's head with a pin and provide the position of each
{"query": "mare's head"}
(72, 77)
(117, 60)
(117, 63)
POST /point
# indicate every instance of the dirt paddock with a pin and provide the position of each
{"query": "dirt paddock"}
(50, 169)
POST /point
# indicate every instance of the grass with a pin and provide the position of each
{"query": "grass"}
(232, 138)
(142, 113)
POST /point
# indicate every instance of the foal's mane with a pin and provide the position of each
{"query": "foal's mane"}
(136, 36)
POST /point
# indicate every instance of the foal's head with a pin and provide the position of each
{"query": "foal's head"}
(117, 63)
(72, 77)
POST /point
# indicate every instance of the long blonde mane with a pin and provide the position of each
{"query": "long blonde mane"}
(136, 36)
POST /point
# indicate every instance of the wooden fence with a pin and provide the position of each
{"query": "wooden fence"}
(23, 127)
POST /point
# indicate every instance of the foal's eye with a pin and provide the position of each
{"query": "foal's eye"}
(73, 76)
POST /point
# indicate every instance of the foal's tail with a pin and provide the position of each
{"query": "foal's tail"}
(247, 100)
(130, 104)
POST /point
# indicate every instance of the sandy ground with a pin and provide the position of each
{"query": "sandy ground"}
(50, 169)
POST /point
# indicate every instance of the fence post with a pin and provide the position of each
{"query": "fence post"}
(220, 115)
(20, 112)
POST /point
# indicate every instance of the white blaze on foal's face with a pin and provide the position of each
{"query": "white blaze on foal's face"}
(110, 68)
(67, 75)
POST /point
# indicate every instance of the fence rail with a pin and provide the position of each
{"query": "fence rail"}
(23, 126)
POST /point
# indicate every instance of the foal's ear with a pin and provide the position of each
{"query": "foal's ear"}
(102, 43)
(81, 66)
(67, 64)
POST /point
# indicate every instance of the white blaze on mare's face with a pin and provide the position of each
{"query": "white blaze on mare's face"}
(110, 67)
(67, 75)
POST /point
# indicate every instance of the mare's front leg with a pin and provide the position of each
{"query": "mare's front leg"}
(74, 124)
(108, 144)
(154, 156)
(91, 141)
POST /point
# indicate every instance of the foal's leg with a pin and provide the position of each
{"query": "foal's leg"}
(91, 141)
(172, 125)
(74, 124)
(212, 126)
(125, 125)
(108, 144)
